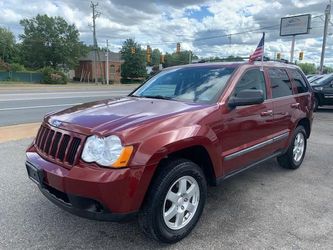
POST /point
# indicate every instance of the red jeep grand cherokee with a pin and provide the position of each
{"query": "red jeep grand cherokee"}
(153, 152)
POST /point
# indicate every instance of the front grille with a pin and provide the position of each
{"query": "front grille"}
(58, 146)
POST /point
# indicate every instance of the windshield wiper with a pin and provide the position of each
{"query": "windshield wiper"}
(157, 97)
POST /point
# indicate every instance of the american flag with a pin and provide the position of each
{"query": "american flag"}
(259, 52)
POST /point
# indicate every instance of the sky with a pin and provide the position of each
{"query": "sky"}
(207, 27)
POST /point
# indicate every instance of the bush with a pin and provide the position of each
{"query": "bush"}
(308, 68)
(4, 66)
(52, 76)
(132, 80)
(16, 67)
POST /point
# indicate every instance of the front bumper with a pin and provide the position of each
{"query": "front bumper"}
(83, 207)
(90, 191)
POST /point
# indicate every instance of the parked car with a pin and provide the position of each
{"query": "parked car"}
(315, 78)
(153, 153)
(323, 90)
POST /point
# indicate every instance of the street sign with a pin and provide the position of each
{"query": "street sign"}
(295, 25)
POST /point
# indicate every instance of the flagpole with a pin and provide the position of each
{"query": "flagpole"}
(262, 56)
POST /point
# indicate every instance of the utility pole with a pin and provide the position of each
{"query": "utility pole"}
(327, 19)
(107, 62)
(94, 16)
(292, 49)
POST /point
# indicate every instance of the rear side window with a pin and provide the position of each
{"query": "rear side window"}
(299, 81)
(280, 83)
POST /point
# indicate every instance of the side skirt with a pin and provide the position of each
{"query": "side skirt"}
(220, 180)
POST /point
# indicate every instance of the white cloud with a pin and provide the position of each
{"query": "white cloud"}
(164, 23)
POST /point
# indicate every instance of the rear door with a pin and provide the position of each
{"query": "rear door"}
(284, 106)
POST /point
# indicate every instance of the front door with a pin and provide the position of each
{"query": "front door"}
(247, 129)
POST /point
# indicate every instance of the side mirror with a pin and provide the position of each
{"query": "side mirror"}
(247, 97)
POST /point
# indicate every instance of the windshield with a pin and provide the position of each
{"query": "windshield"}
(196, 84)
(323, 80)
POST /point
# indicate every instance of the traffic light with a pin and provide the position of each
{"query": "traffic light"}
(301, 55)
(133, 50)
(148, 54)
(278, 56)
(178, 48)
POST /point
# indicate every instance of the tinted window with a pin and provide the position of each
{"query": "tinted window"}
(299, 81)
(280, 83)
(325, 79)
(198, 84)
(252, 79)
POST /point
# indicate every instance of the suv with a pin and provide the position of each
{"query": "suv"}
(323, 90)
(153, 153)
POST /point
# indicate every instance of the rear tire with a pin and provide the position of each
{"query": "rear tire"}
(174, 202)
(294, 156)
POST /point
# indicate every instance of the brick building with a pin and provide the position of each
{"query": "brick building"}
(85, 72)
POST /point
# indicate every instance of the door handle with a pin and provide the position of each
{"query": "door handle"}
(295, 105)
(267, 113)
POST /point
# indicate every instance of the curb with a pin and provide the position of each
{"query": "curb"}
(18, 132)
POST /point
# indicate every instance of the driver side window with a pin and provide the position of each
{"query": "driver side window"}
(252, 79)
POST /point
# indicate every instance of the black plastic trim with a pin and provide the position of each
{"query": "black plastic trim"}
(220, 180)
(102, 216)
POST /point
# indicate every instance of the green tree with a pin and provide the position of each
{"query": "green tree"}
(134, 65)
(180, 58)
(156, 57)
(50, 41)
(308, 68)
(8, 47)
(233, 59)
(327, 70)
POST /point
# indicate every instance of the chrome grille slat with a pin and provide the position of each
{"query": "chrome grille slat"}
(48, 141)
(63, 147)
(73, 150)
(55, 144)
(46, 134)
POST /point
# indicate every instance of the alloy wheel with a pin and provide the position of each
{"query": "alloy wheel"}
(181, 202)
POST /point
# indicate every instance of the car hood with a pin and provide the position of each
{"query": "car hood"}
(116, 115)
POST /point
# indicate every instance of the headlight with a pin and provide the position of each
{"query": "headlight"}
(106, 151)
(318, 88)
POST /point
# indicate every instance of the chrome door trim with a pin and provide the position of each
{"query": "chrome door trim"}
(255, 147)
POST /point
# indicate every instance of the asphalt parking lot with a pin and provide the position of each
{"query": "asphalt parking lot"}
(264, 208)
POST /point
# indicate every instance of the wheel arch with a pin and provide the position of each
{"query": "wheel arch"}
(305, 122)
(195, 153)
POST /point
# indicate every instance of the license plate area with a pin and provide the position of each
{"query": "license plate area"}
(34, 173)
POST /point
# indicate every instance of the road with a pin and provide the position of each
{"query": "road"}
(26, 106)
(264, 208)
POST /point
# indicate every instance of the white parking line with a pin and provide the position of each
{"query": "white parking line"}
(38, 107)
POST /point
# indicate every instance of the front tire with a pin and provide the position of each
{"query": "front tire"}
(174, 202)
(294, 156)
